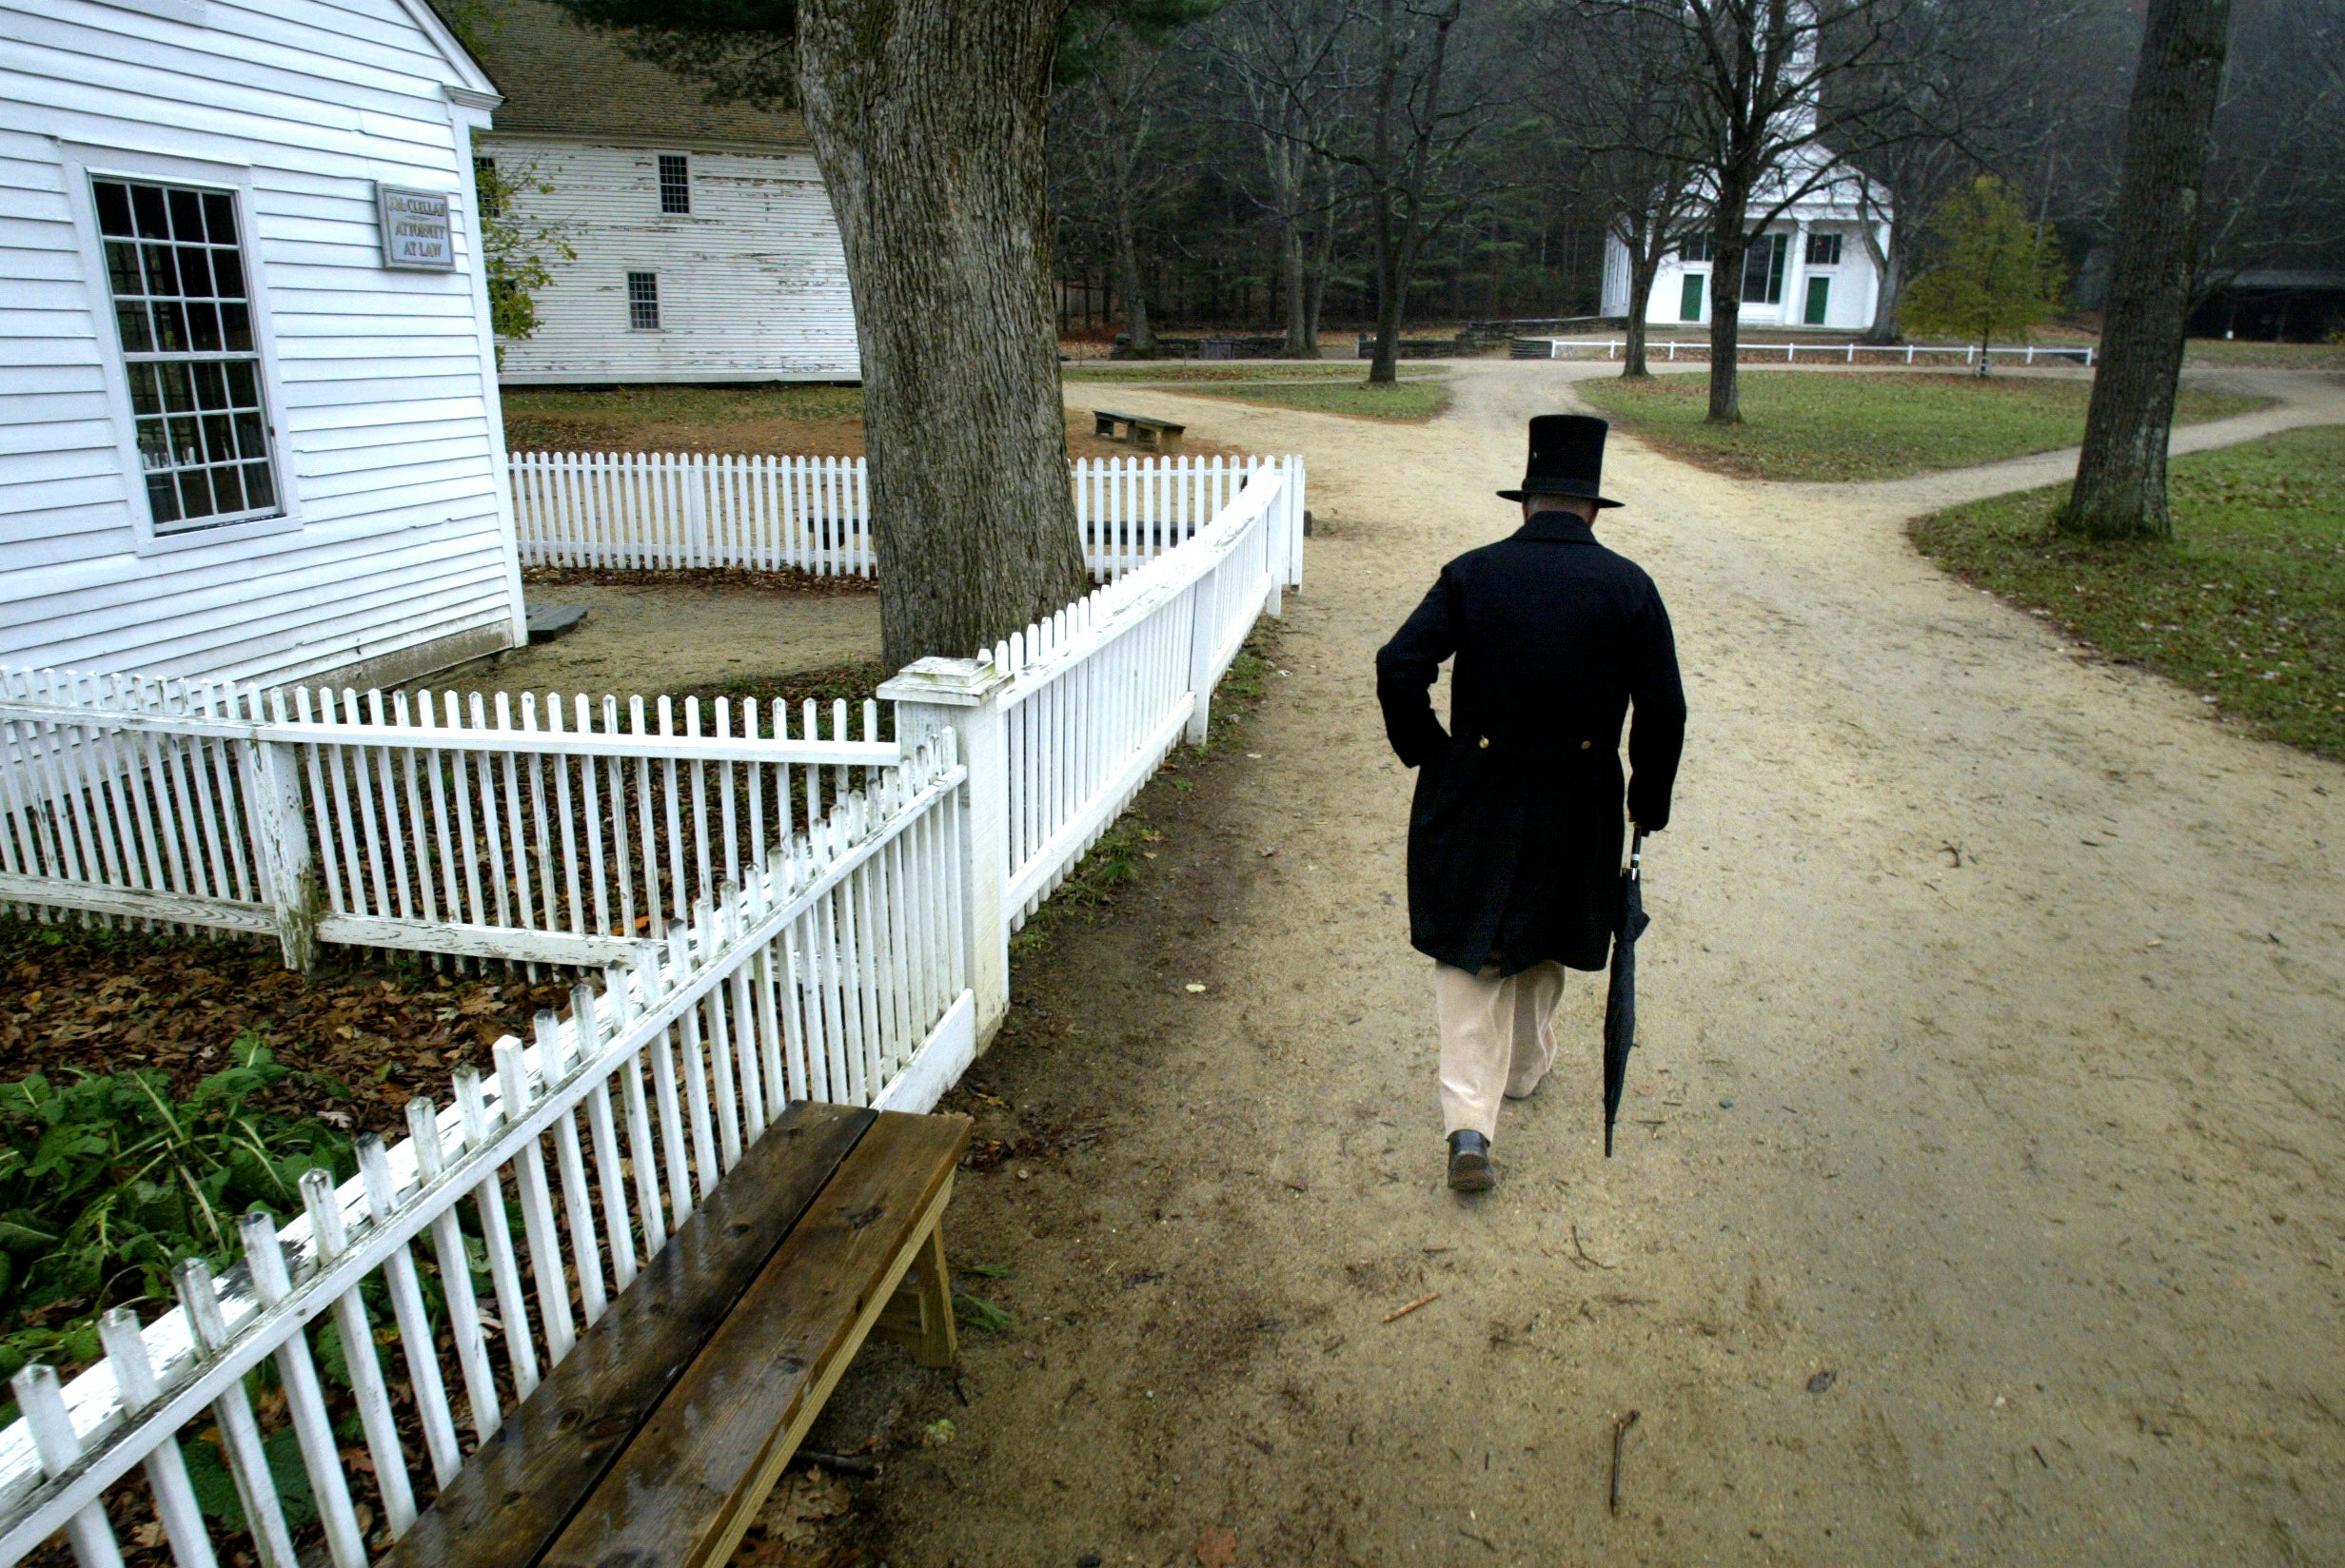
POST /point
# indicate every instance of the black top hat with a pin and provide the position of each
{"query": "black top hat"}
(1567, 459)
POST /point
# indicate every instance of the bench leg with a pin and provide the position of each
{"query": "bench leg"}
(921, 1315)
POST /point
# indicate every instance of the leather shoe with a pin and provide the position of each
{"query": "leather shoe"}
(1469, 1162)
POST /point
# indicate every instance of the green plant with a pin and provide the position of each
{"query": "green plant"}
(1997, 275)
(517, 248)
(106, 1183)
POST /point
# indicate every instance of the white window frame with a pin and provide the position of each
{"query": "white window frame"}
(84, 164)
(658, 184)
(659, 305)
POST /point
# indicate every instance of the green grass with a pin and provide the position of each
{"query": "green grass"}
(2246, 606)
(1135, 372)
(2275, 355)
(1800, 425)
(1420, 398)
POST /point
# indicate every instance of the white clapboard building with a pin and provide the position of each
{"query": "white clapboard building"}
(704, 246)
(1811, 267)
(250, 423)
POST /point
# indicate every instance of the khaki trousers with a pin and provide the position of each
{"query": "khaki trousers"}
(1497, 1036)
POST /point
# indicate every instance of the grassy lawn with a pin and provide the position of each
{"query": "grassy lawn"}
(2265, 356)
(1338, 387)
(1167, 372)
(819, 420)
(2247, 606)
(1801, 425)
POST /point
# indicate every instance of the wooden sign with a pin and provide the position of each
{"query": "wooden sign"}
(416, 233)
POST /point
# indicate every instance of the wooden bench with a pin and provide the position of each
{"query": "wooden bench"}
(1136, 428)
(656, 1441)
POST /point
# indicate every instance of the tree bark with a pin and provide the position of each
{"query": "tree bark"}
(1128, 269)
(2120, 488)
(928, 117)
(1644, 264)
(1727, 247)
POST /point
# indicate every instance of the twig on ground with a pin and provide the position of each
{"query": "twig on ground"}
(1579, 1253)
(1620, 1431)
(1398, 1313)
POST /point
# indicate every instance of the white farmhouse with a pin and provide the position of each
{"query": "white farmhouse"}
(705, 246)
(1811, 267)
(250, 424)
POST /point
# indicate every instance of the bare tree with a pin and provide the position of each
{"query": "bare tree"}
(1624, 91)
(1760, 72)
(2274, 192)
(1118, 109)
(1287, 59)
(2120, 488)
(1416, 118)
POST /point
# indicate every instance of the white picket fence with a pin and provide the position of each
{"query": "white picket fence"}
(1571, 348)
(548, 840)
(860, 957)
(837, 971)
(679, 511)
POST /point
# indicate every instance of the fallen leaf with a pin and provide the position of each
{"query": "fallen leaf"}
(1821, 1381)
(1217, 1548)
(1193, 987)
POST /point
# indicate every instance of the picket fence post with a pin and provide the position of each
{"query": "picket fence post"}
(1204, 616)
(281, 844)
(964, 695)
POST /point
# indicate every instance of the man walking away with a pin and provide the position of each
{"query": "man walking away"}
(1514, 836)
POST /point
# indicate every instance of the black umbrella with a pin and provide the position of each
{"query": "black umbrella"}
(1620, 1004)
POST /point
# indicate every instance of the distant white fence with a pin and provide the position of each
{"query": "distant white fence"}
(836, 971)
(676, 511)
(859, 956)
(1571, 348)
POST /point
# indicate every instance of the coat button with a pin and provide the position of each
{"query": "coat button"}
(1586, 744)
(1485, 743)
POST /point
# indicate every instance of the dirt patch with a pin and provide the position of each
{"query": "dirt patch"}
(651, 633)
(86, 1000)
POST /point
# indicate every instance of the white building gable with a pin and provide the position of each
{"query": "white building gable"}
(1811, 267)
(705, 246)
(238, 442)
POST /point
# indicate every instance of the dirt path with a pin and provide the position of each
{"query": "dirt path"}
(1980, 1200)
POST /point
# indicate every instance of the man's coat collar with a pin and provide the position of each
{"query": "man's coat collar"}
(1553, 527)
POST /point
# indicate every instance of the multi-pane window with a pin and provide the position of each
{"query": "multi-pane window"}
(675, 183)
(1762, 268)
(485, 185)
(184, 308)
(1823, 251)
(643, 301)
(1694, 245)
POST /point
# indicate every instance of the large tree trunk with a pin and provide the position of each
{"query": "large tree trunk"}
(1888, 309)
(2120, 488)
(927, 117)
(1128, 277)
(1300, 344)
(1643, 261)
(1728, 247)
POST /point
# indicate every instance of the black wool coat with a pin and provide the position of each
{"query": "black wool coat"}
(1514, 839)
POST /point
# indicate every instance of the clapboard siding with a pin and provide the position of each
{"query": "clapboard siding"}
(385, 418)
(753, 283)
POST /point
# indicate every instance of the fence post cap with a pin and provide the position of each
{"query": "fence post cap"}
(948, 683)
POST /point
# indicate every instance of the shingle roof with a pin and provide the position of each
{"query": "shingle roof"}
(561, 79)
